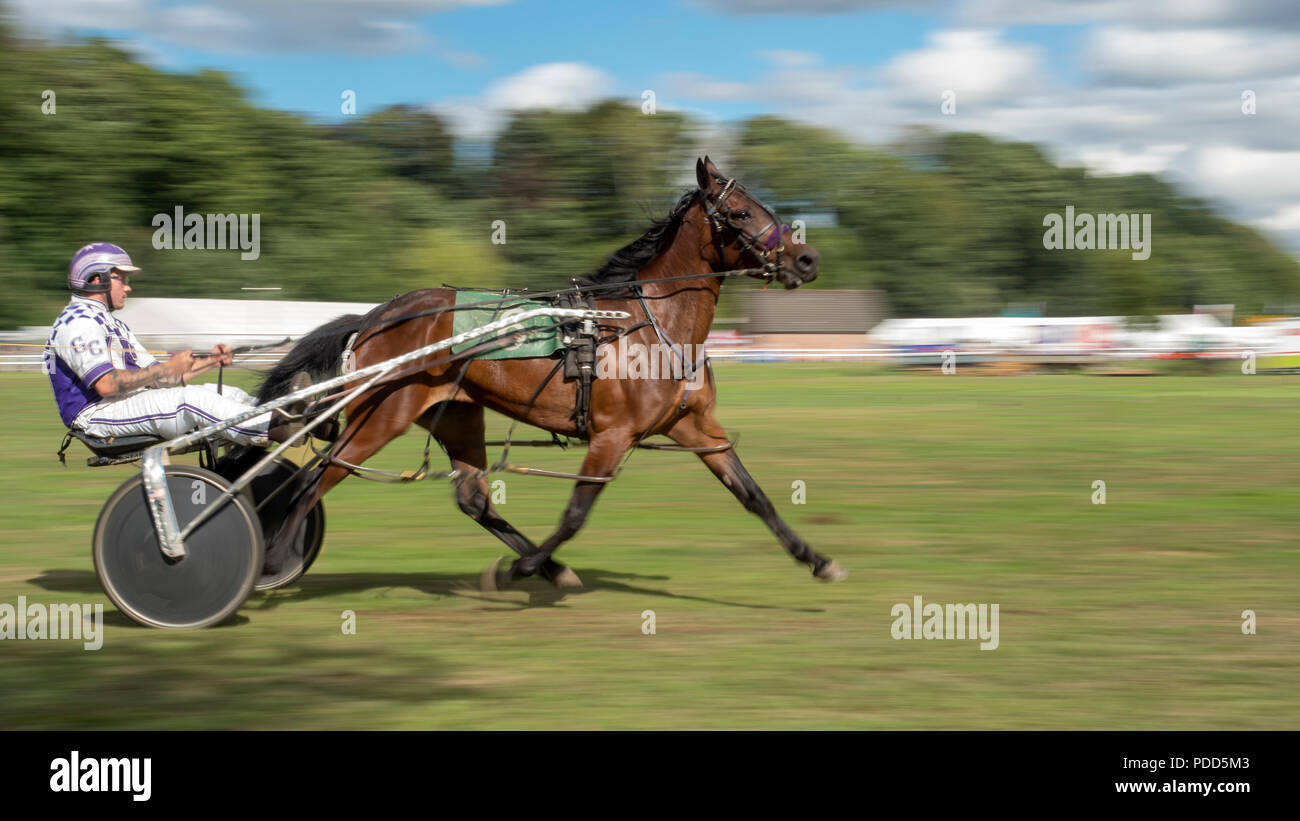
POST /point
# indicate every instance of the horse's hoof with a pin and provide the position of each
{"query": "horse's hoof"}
(566, 579)
(489, 581)
(832, 572)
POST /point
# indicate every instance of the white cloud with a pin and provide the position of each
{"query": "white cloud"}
(1181, 13)
(1115, 159)
(1245, 174)
(1127, 54)
(370, 27)
(197, 25)
(1285, 220)
(52, 16)
(976, 64)
(550, 85)
(564, 86)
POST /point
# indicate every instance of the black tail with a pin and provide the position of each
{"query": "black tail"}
(317, 353)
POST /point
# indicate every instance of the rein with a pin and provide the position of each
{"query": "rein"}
(243, 349)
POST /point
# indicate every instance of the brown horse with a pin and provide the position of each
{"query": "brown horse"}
(713, 229)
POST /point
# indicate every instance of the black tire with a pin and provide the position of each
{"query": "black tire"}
(311, 533)
(317, 531)
(223, 556)
(302, 552)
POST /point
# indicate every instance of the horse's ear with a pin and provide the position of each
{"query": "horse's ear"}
(706, 173)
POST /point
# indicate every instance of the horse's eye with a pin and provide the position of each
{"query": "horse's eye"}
(742, 215)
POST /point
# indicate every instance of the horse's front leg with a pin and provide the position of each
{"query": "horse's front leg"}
(701, 430)
(603, 455)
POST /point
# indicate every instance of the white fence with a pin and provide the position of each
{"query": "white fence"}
(176, 324)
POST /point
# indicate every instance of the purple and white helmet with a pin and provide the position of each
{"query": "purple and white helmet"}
(97, 258)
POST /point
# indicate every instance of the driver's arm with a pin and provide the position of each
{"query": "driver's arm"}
(173, 373)
(169, 374)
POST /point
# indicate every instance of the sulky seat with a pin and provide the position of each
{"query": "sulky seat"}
(119, 450)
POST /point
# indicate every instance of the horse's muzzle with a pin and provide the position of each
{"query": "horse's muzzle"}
(805, 264)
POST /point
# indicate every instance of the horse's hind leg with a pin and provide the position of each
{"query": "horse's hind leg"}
(603, 455)
(701, 431)
(460, 430)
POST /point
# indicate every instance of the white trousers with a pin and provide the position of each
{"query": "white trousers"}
(172, 412)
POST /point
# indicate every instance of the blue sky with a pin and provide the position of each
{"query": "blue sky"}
(1117, 87)
(470, 47)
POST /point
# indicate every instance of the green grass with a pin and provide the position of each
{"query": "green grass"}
(958, 489)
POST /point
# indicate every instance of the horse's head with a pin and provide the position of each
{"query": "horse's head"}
(747, 233)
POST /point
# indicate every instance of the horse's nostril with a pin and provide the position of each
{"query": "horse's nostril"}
(806, 262)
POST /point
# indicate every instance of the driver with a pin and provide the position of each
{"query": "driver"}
(106, 384)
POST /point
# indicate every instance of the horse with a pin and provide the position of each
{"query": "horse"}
(677, 266)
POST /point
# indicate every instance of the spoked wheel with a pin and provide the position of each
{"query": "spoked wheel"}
(223, 558)
(273, 510)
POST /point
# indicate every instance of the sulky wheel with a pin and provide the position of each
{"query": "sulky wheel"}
(273, 497)
(223, 556)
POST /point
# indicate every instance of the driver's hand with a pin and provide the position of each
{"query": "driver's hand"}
(223, 354)
(180, 363)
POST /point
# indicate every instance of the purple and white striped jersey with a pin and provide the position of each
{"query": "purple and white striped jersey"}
(86, 342)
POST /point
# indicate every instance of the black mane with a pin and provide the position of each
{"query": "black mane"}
(625, 263)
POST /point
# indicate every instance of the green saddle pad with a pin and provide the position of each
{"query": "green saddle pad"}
(543, 337)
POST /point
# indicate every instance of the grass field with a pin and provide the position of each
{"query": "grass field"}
(957, 489)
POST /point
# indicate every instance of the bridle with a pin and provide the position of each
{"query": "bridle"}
(762, 249)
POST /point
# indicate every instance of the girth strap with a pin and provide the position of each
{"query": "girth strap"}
(580, 341)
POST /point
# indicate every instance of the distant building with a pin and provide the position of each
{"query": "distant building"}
(777, 311)
(812, 318)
